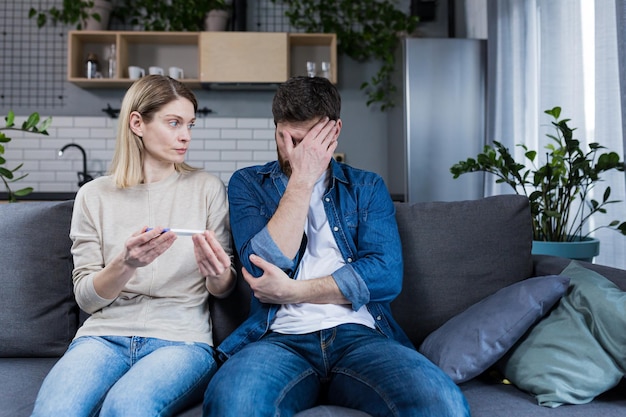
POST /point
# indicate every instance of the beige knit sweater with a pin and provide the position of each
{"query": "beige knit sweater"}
(168, 298)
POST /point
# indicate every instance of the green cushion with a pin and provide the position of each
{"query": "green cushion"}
(579, 350)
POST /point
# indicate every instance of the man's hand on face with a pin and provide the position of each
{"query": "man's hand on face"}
(309, 157)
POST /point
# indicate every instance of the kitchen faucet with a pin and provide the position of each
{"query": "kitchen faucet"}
(83, 177)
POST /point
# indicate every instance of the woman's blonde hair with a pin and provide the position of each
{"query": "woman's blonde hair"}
(146, 96)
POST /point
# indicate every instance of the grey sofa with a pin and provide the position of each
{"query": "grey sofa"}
(456, 254)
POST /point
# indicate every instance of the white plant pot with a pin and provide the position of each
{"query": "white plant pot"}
(216, 20)
(103, 8)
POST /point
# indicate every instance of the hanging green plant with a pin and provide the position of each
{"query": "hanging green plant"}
(7, 175)
(366, 30)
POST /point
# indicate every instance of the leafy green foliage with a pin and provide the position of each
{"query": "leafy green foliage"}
(32, 124)
(366, 29)
(568, 176)
(155, 15)
(73, 12)
(174, 15)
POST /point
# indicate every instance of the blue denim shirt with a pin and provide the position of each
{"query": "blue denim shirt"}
(362, 217)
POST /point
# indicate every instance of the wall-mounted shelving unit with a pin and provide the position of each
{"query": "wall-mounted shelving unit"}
(206, 57)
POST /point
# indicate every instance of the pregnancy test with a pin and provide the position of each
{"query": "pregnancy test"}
(186, 232)
(180, 232)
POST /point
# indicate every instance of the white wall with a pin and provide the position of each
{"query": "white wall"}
(220, 145)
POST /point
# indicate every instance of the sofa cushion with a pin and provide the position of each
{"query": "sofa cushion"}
(20, 379)
(471, 342)
(456, 254)
(38, 314)
(488, 398)
(576, 352)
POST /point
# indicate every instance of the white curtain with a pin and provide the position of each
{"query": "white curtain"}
(542, 54)
(609, 121)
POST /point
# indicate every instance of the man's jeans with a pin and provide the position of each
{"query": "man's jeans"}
(350, 365)
(125, 376)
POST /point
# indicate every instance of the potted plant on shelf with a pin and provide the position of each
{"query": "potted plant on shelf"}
(8, 176)
(83, 14)
(216, 19)
(559, 190)
(166, 15)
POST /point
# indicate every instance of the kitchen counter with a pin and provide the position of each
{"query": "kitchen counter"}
(43, 196)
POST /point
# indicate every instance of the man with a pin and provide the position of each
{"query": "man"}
(321, 252)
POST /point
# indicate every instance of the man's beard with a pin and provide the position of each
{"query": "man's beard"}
(284, 165)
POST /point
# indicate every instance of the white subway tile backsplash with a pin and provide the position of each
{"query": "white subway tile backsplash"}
(236, 156)
(219, 145)
(217, 167)
(264, 156)
(204, 133)
(24, 143)
(74, 133)
(252, 144)
(105, 132)
(236, 133)
(90, 122)
(63, 121)
(221, 122)
(267, 134)
(203, 156)
(254, 123)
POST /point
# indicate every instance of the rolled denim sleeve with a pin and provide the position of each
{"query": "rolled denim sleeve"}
(264, 246)
(253, 196)
(352, 286)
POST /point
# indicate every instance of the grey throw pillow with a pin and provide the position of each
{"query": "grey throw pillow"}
(457, 253)
(38, 314)
(471, 342)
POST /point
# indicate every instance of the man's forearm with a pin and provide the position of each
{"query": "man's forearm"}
(322, 290)
(287, 224)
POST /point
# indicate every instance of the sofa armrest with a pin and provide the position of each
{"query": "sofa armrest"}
(553, 265)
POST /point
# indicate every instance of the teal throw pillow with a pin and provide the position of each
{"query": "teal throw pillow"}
(472, 341)
(578, 351)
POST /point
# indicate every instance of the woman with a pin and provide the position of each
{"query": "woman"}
(146, 348)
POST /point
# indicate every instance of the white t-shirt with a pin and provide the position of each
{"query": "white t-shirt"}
(321, 257)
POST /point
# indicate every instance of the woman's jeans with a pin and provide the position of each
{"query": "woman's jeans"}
(349, 365)
(125, 376)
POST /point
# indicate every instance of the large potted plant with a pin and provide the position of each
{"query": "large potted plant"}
(559, 189)
(83, 14)
(9, 175)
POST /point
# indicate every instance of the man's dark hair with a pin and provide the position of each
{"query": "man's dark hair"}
(305, 98)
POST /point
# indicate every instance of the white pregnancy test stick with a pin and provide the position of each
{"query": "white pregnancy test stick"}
(180, 232)
(186, 232)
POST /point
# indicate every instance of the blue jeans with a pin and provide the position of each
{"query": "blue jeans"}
(125, 376)
(349, 365)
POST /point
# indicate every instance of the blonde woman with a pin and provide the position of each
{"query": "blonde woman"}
(146, 349)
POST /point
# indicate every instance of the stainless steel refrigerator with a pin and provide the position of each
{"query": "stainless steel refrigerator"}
(438, 120)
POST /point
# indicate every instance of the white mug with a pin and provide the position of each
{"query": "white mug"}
(176, 73)
(134, 73)
(155, 70)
